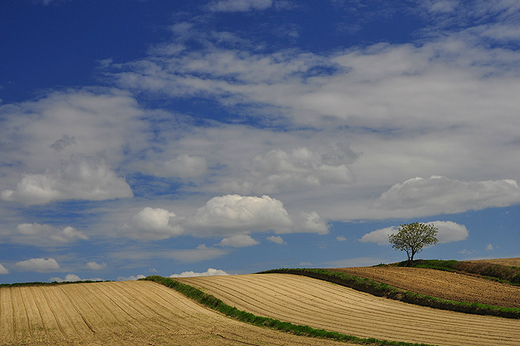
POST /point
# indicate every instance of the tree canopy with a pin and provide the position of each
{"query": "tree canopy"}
(413, 238)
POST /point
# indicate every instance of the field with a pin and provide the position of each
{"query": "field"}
(147, 313)
(440, 284)
(321, 304)
(122, 313)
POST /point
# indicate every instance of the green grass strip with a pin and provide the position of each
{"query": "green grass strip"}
(385, 290)
(218, 305)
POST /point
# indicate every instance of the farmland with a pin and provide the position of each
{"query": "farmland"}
(321, 304)
(145, 312)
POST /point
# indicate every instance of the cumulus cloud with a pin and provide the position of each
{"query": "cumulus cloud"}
(3, 270)
(276, 239)
(278, 170)
(233, 217)
(448, 231)
(209, 272)
(45, 235)
(239, 240)
(38, 265)
(237, 214)
(82, 177)
(72, 278)
(234, 214)
(440, 195)
(341, 238)
(239, 5)
(185, 166)
(96, 266)
(153, 224)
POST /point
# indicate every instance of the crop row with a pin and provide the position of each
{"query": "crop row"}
(218, 305)
(385, 290)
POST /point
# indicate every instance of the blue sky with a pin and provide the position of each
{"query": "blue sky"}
(166, 137)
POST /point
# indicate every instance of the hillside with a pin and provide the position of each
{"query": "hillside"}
(321, 304)
(122, 313)
(145, 312)
(441, 284)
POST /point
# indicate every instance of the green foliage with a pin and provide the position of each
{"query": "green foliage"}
(413, 237)
(217, 304)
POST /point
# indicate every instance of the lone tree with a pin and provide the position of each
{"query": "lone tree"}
(413, 237)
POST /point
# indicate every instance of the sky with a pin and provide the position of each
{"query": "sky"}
(147, 137)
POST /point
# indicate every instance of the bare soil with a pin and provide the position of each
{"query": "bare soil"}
(321, 304)
(441, 284)
(123, 313)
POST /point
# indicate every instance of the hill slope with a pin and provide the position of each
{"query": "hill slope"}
(441, 284)
(122, 313)
(320, 304)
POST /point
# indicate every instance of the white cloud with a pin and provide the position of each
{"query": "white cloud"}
(278, 170)
(447, 232)
(87, 178)
(276, 239)
(153, 224)
(201, 253)
(341, 238)
(96, 266)
(209, 272)
(45, 235)
(239, 5)
(490, 247)
(38, 265)
(130, 278)
(3, 270)
(379, 236)
(234, 214)
(440, 195)
(186, 166)
(72, 278)
(231, 214)
(239, 240)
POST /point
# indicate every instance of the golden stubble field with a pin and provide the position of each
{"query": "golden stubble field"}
(147, 313)
(122, 313)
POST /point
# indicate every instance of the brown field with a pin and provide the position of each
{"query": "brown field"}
(122, 313)
(147, 313)
(441, 284)
(321, 304)
(503, 261)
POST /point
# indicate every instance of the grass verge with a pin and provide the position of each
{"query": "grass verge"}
(385, 290)
(218, 305)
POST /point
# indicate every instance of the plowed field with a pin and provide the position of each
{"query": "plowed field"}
(321, 304)
(441, 284)
(122, 313)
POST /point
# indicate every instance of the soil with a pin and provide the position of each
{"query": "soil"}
(441, 284)
(123, 313)
(325, 305)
